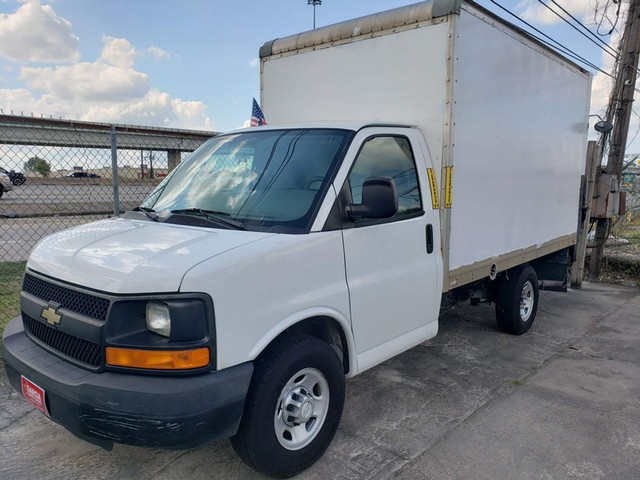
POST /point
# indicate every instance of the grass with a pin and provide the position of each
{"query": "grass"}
(10, 285)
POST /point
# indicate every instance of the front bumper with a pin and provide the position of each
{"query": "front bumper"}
(150, 411)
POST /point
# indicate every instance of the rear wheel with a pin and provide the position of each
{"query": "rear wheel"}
(293, 407)
(1, 191)
(517, 300)
(18, 181)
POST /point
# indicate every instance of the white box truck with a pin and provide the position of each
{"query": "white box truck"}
(432, 154)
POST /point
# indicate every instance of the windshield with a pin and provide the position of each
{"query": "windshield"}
(267, 180)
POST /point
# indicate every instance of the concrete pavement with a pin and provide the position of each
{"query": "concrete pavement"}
(562, 401)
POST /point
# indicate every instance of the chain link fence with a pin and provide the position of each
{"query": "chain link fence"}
(621, 253)
(56, 174)
(625, 230)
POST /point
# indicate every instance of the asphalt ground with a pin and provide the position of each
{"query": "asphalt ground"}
(560, 402)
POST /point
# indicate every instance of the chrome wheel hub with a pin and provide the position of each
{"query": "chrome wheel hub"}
(301, 409)
(298, 407)
(526, 301)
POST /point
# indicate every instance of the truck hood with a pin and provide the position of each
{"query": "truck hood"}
(132, 256)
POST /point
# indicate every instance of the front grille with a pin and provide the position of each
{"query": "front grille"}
(72, 300)
(73, 347)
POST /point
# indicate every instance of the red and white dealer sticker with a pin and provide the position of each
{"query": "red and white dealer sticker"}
(34, 395)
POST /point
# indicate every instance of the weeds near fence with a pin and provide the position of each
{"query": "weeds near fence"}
(621, 261)
(629, 230)
(11, 274)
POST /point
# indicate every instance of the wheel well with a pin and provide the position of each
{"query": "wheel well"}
(324, 328)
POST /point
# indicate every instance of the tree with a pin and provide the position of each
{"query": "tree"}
(37, 165)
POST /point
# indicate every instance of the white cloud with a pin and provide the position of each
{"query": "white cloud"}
(534, 11)
(158, 53)
(118, 52)
(602, 83)
(154, 108)
(107, 90)
(35, 33)
(254, 62)
(14, 101)
(87, 81)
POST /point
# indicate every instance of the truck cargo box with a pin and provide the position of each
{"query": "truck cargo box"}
(504, 117)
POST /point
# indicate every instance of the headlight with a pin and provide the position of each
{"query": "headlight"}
(4, 177)
(158, 318)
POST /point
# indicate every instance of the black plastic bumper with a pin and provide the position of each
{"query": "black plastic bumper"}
(150, 411)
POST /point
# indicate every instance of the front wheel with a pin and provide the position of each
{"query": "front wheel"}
(517, 300)
(293, 407)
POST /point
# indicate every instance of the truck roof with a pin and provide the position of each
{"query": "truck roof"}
(388, 20)
(340, 125)
(401, 16)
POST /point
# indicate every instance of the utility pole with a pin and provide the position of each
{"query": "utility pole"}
(620, 110)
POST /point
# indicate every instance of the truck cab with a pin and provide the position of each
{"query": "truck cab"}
(296, 240)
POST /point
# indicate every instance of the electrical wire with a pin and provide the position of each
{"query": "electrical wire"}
(602, 43)
(608, 50)
(637, 130)
(559, 47)
(604, 15)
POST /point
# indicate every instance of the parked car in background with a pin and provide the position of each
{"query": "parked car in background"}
(16, 178)
(5, 183)
(82, 175)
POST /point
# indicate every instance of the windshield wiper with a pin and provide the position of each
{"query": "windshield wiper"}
(212, 215)
(149, 212)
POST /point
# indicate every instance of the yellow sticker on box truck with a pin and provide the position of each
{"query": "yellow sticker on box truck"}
(448, 187)
(433, 186)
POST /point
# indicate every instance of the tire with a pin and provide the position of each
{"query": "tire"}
(1, 191)
(302, 375)
(18, 181)
(517, 300)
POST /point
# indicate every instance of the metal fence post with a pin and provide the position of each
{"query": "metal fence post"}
(114, 171)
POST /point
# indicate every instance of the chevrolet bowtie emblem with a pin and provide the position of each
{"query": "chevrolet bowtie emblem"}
(51, 316)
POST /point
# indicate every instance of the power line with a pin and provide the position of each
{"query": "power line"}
(559, 47)
(604, 15)
(603, 45)
(637, 131)
(608, 49)
(573, 56)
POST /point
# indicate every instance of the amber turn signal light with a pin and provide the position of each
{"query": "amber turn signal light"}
(158, 359)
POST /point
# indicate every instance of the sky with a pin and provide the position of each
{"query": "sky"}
(193, 64)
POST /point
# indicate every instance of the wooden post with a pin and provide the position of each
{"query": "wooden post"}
(577, 269)
(620, 109)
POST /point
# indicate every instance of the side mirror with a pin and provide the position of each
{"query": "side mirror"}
(379, 199)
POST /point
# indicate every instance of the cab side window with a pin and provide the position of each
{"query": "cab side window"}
(387, 156)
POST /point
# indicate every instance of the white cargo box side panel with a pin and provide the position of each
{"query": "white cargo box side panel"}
(519, 144)
(392, 78)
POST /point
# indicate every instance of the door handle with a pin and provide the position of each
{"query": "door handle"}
(429, 238)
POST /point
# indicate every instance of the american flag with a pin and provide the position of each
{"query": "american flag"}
(257, 117)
